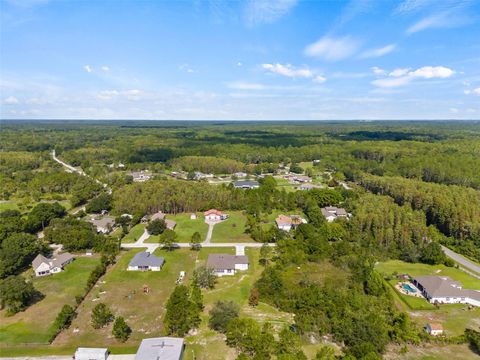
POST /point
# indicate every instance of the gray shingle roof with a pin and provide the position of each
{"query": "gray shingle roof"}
(444, 286)
(57, 261)
(225, 261)
(246, 183)
(146, 259)
(162, 348)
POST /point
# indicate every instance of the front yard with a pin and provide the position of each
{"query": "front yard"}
(232, 229)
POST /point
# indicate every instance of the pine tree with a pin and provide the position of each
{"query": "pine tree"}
(121, 330)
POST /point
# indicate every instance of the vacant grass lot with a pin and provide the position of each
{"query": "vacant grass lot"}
(33, 325)
(232, 229)
(122, 291)
(186, 227)
(134, 233)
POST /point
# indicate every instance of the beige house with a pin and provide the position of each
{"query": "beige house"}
(46, 266)
(434, 329)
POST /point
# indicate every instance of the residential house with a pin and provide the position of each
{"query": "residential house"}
(193, 216)
(161, 348)
(331, 213)
(91, 354)
(444, 290)
(214, 214)
(157, 216)
(240, 174)
(246, 184)
(45, 266)
(141, 176)
(434, 329)
(288, 222)
(144, 261)
(309, 186)
(103, 224)
(170, 224)
(199, 176)
(225, 264)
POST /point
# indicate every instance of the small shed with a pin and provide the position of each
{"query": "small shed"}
(434, 329)
(193, 216)
(91, 353)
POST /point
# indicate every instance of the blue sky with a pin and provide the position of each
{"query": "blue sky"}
(265, 60)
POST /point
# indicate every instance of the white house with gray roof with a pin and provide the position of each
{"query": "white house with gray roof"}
(331, 213)
(104, 224)
(161, 348)
(226, 264)
(144, 261)
(246, 184)
(444, 290)
(46, 266)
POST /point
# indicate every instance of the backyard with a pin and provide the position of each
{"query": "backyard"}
(33, 324)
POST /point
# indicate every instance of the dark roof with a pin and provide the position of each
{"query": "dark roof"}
(225, 261)
(144, 258)
(246, 183)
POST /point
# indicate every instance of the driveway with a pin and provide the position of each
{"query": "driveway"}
(140, 243)
(467, 264)
(211, 224)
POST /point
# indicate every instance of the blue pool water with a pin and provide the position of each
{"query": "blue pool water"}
(409, 288)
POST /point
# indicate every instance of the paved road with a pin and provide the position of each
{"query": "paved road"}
(78, 171)
(461, 260)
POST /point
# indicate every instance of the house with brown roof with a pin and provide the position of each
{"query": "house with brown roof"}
(444, 290)
(289, 222)
(46, 266)
(214, 214)
(225, 264)
(434, 329)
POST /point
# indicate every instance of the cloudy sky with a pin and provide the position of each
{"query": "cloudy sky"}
(254, 59)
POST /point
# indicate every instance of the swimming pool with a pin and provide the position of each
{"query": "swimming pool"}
(408, 288)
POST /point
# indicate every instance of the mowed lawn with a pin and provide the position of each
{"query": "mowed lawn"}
(232, 229)
(122, 292)
(34, 324)
(185, 228)
(134, 233)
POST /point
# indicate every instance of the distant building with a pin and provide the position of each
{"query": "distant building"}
(316, 162)
(103, 224)
(199, 176)
(157, 216)
(331, 213)
(46, 266)
(434, 329)
(289, 222)
(444, 290)
(91, 354)
(214, 214)
(141, 176)
(162, 348)
(240, 174)
(144, 261)
(225, 264)
(170, 224)
(246, 184)
(309, 186)
(193, 216)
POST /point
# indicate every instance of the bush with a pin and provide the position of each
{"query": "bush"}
(156, 227)
(16, 294)
(121, 331)
(63, 320)
(101, 316)
(221, 314)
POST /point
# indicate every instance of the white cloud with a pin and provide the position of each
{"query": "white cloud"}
(408, 6)
(288, 70)
(239, 64)
(455, 16)
(87, 68)
(319, 79)
(475, 91)
(453, 110)
(403, 76)
(133, 94)
(378, 52)
(399, 72)
(267, 11)
(241, 85)
(105, 68)
(430, 72)
(11, 100)
(378, 71)
(107, 94)
(186, 68)
(392, 82)
(333, 49)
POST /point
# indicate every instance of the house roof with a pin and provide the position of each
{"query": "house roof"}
(158, 215)
(162, 348)
(170, 224)
(246, 183)
(212, 211)
(102, 222)
(289, 220)
(225, 261)
(436, 326)
(57, 261)
(328, 211)
(444, 286)
(144, 258)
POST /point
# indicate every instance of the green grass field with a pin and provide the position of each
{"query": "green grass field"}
(122, 291)
(8, 205)
(186, 227)
(232, 229)
(33, 325)
(134, 233)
